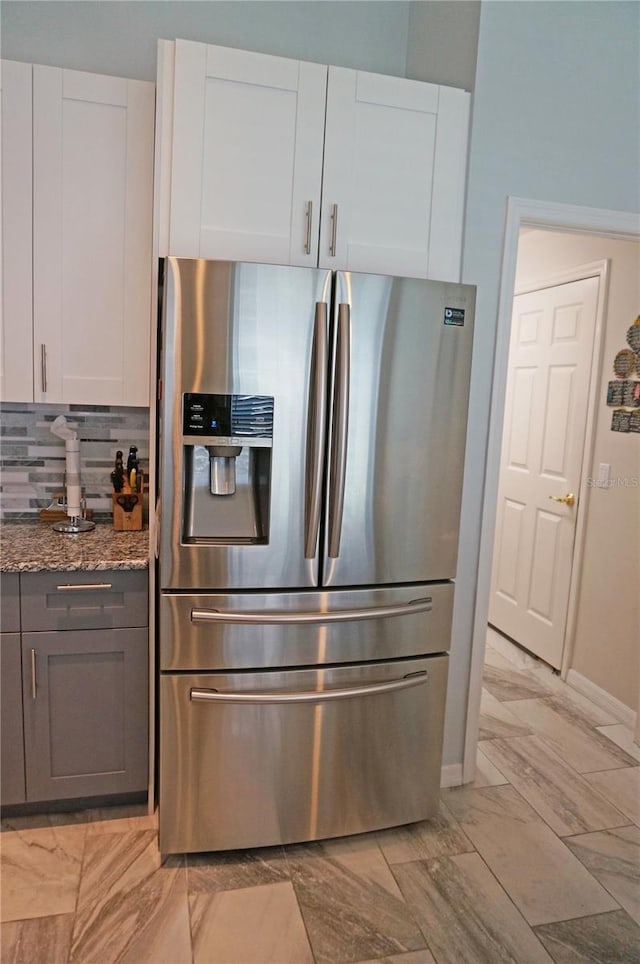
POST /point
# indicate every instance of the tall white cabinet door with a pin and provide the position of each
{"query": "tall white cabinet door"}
(93, 173)
(387, 179)
(16, 343)
(247, 155)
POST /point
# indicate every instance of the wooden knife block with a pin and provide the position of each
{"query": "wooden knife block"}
(127, 507)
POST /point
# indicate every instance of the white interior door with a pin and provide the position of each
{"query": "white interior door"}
(552, 337)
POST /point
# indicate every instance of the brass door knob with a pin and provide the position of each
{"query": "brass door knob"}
(568, 499)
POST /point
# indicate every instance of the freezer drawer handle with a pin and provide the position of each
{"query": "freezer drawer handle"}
(308, 696)
(294, 618)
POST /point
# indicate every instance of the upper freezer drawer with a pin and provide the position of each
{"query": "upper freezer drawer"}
(113, 599)
(248, 630)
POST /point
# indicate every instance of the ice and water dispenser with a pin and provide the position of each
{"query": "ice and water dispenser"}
(227, 467)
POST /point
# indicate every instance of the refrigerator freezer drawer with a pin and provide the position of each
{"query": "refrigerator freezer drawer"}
(255, 759)
(207, 631)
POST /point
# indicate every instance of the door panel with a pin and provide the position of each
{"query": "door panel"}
(407, 415)
(85, 700)
(266, 770)
(247, 155)
(394, 175)
(92, 182)
(16, 297)
(257, 341)
(544, 430)
(12, 787)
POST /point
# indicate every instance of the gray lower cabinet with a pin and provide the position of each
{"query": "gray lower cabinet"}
(75, 692)
(12, 789)
(85, 699)
(11, 734)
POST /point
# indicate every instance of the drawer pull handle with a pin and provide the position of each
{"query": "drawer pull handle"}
(301, 618)
(33, 675)
(308, 696)
(84, 586)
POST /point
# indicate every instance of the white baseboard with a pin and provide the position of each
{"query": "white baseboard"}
(601, 698)
(451, 775)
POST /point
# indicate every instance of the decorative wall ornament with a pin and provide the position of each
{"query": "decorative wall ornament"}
(624, 393)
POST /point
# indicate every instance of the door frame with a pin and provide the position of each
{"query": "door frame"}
(521, 212)
(600, 270)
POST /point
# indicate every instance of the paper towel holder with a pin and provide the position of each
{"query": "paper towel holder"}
(75, 503)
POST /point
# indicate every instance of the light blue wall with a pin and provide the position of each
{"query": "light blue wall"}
(555, 118)
(120, 37)
(443, 42)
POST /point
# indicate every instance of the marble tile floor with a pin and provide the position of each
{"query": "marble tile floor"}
(538, 860)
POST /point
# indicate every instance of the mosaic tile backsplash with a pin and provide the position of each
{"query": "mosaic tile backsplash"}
(32, 460)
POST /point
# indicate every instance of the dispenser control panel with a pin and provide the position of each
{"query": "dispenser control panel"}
(227, 419)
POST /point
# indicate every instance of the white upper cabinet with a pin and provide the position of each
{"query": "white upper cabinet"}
(394, 175)
(92, 236)
(252, 170)
(16, 341)
(247, 155)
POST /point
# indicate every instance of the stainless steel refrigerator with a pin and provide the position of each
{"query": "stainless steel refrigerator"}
(312, 430)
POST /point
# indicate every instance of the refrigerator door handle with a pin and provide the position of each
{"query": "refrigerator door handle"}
(281, 618)
(308, 696)
(316, 430)
(340, 434)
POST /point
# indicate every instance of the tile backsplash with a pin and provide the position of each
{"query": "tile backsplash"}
(32, 460)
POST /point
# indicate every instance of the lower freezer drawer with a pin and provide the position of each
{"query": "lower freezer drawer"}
(255, 759)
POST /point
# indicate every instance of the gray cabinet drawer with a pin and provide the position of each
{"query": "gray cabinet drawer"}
(10, 602)
(84, 600)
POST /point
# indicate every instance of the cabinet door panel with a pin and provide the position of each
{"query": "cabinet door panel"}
(449, 180)
(85, 713)
(11, 732)
(16, 344)
(247, 155)
(382, 156)
(93, 163)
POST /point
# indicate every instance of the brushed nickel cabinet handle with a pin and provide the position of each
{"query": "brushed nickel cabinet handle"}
(308, 216)
(33, 675)
(334, 230)
(86, 586)
(43, 367)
